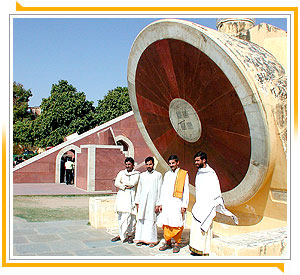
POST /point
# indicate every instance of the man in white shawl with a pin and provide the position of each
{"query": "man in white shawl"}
(208, 201)
(126, 182)
(173, 202)
(146, 200)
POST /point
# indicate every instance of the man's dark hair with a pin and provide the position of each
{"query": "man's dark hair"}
(201, 154)
(129, 159)
(173, 157)
(149, 159)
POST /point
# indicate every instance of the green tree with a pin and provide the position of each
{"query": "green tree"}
(63, 113)
(20, 102)
(22, 119)
(23, 133)
(114, 104)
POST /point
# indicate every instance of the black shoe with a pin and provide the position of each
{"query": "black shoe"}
(115, 239)
(195, 254)
(130, 240)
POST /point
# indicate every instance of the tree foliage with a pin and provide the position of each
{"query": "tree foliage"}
(115, 103)
(63, 113)
(23, 132)
(20, 102)
(22, 119)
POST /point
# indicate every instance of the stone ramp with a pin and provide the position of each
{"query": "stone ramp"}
(272, 242)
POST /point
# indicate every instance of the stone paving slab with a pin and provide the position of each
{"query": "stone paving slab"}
(69, 245)
(76, 228)
(52, 230)
(94, 252)
(77, 236)
(26, 231)
(30, 249)
(43, 238)
(121, 251)
(56, 253)
(100, 243)
(20, 240)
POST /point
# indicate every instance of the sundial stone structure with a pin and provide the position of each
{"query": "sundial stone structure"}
(193, 88)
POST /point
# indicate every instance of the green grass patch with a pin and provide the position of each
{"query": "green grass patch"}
(52, 207)
(43, 214)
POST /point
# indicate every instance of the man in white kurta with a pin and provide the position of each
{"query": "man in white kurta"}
(173, 209)
(126, 182)
(208, 201)
(147, 196)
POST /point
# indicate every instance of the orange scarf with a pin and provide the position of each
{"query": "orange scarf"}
(179, 184)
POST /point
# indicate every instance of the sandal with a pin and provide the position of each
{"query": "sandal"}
(139, 244)
(152, 245)
(115, 239)
(165, 247)
(176, 249)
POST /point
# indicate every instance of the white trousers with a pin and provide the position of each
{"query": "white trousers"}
(146, 231)
(126, 225)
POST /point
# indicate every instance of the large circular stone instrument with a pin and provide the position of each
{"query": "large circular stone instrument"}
(193, 88)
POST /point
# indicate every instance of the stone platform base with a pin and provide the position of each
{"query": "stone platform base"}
(271, 242)
(101, 212)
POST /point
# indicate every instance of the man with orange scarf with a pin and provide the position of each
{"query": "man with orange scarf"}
(173, 202)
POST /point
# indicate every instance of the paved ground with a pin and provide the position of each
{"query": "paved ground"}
(76, 238)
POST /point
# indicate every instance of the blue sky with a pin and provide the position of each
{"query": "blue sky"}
(90, 53)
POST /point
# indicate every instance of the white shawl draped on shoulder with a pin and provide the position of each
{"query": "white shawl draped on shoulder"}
(208, 198)
(125, 197)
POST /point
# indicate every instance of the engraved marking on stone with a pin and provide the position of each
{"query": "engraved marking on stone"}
(185, 120)
(179, 115)
(185, 114)
(189, 125)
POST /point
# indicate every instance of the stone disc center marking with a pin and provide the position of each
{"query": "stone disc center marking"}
(185, 120)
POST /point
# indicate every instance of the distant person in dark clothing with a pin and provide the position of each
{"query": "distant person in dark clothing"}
(73, 171)
(62, 170)
(69, 169)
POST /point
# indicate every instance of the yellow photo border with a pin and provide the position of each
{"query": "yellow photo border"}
(278, 265)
